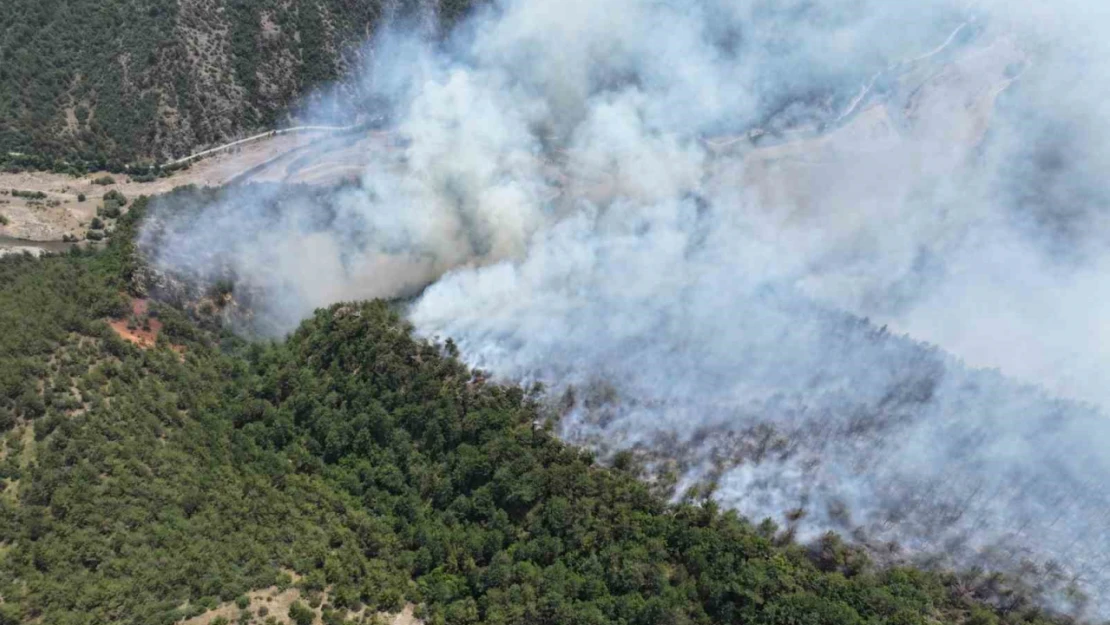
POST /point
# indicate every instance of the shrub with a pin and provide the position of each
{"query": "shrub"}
(30, 195)
(110, 209)
(219, 292)
(4, 220)
(9, 613)
(104, 180)
(81, 197)
(115, 195)
(314, 598)
(94, 235)
(243, 601)
(96, 224)
(300, 614)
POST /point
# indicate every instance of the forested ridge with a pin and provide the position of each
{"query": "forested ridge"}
(102, 84)
(149, 485)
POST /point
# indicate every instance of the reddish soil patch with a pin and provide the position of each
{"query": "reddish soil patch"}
(138, 336)
(146, 328)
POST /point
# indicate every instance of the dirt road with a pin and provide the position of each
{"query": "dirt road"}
(60, 211)
(952, 101)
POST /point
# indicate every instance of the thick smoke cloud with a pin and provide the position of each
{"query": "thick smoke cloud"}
(843, 259)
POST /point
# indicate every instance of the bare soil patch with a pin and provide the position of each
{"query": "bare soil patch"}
(271, 605)
(61, 212)
(140, 328)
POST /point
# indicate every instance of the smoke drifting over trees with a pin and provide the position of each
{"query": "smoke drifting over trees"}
(769, 245)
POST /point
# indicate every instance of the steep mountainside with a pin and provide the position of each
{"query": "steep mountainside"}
(105, 83)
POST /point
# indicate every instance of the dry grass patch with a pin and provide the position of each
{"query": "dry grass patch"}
(270, 606)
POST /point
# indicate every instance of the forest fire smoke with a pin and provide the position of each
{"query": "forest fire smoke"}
(844, 258)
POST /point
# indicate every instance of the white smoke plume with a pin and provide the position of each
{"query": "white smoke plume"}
(693, 218)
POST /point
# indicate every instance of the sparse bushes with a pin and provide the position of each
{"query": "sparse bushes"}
(29, 195)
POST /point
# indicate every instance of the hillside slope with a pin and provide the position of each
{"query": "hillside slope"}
(148, 485)
(102, 84)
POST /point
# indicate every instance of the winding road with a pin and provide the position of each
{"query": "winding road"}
(264, 135)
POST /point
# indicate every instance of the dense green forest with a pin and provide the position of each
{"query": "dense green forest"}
(100, 84)
(148, 485)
